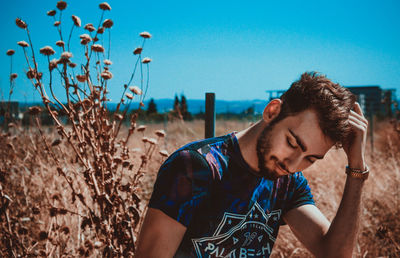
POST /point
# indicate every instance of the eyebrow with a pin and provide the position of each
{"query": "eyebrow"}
(302, 145)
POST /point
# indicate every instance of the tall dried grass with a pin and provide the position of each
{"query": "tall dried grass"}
(73, 189)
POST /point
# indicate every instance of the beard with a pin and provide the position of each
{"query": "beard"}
(263, 148)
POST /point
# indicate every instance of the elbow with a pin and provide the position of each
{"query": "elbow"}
(335, 250)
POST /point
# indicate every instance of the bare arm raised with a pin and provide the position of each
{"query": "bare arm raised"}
(310, 226)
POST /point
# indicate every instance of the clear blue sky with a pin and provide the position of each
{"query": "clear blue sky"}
(237, 49)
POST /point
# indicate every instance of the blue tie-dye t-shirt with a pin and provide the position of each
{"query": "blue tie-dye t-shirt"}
(227, 208)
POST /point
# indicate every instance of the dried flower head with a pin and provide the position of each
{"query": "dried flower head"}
(34, 110)
(137, 51)
(72, 65)
(105, 6)
(47, 51)
(160, 133)
(57, 23)
(89, 27)
(152, 141)
(85, 38)
(61, 5)
(98, 48)
(13, 76)
(136, 90)
(53, 64)
(30, 73)
(23, 43)
(146, 60)
(66, 55)
(164, 153)
(108, 23)
(76, 20)
(145, 139)
(141, 104)
(145, 35)
(141, 128)
(107, 62)
(81, 78)
(106, 75)
(128, 95)
(51, 13)
(20, 23)
(60, 43)
(10, 52)
(100, 30)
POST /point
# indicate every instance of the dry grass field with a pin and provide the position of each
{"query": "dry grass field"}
(41, 216)
(80, 188)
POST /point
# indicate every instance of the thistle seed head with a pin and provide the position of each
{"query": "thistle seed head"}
(164, 153)
(146, 60)
(23, 43)
(13, 76)
(100, 30)
(20, 23)
(106, 75)
(34, 110)
(89, 27)
(81, 78)
(51, 13)
(47, 51)
(152, 141)
(72, 65)
(66, 55)
(141, 128)
(145, 35)
(107, 62)
(76, 20)
(105, 6)
(137, 51)
(108, 23)
(160, 133)
(136, 90)
(61, 5)
(10, 52)
(98, 48)
(60, 43)
(128, 95)
(53, 64)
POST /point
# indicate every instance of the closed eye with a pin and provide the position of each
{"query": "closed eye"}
(290, 144)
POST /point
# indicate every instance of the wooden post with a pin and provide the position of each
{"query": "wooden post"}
(210, 115)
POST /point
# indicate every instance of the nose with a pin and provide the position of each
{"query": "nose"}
(292, 163)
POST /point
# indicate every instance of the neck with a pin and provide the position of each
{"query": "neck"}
(248, 141)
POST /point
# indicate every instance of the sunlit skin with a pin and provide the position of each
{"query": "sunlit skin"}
(294, 144)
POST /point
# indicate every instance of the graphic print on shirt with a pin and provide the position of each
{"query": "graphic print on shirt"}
(249, 235)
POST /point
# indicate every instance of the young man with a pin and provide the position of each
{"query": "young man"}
(227, 196)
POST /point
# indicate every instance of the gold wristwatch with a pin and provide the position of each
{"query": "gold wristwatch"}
(357, 173)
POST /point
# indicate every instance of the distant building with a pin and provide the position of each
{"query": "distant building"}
(373, 99)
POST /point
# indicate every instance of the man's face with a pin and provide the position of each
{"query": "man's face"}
(291, 145)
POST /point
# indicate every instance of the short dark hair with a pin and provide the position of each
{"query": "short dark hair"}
(331, 101)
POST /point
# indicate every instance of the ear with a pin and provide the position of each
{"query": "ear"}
(272, 110)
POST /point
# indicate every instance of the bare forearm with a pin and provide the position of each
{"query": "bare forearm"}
(340, 238)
